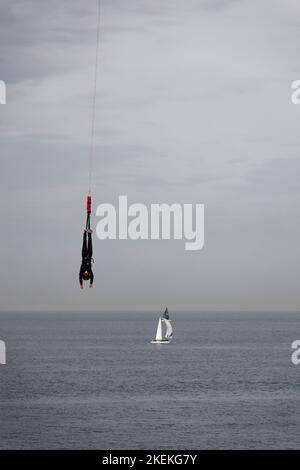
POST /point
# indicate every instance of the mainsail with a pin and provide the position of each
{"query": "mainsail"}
(158, 336)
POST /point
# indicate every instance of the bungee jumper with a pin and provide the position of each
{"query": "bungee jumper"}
(86, 272)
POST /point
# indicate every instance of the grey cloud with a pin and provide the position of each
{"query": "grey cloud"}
(275, 178)
(193, 106)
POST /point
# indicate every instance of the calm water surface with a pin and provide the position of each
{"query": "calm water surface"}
(88, 380)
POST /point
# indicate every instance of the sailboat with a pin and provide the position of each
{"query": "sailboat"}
(164, 337)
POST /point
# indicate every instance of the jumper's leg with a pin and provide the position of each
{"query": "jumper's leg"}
(90, 244)
(84, 245)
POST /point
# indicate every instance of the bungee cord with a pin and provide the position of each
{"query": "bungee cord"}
(86, 272)
(94, 97)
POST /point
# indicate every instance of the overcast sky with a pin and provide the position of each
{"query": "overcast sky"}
(193, 106)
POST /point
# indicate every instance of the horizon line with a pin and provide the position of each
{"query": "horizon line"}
(154, 310)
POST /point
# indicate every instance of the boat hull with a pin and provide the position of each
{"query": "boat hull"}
(162, 341)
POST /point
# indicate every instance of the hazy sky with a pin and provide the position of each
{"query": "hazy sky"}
(193, 106)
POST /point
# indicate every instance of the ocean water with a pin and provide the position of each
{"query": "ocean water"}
(94, 381)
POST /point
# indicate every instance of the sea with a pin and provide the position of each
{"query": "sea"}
(93, 380)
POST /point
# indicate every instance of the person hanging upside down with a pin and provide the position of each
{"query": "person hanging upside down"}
(86, 273)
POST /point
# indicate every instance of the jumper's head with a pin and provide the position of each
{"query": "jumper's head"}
(86, 275)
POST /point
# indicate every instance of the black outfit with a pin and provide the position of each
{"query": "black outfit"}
(87, 255)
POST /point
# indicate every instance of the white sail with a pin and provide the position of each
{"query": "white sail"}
(169, 331)
(158, 336)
